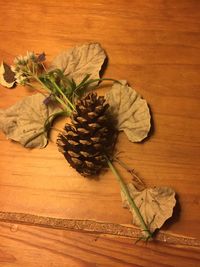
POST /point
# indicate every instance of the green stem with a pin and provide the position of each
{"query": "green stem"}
(63, 104)
(63, 95)
(96, 80)
(50, 119)
(129, 198)
(106, 79)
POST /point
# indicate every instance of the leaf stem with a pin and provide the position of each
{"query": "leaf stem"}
(100, 80)
(129, 198)
(50, 119)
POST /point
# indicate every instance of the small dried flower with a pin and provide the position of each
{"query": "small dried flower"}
(41, 57)
(21, 78)
(25, 67)
(23, 60)
(48, 99)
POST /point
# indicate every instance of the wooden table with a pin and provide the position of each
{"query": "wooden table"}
(155, 46)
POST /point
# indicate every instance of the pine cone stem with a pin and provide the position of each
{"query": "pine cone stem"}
(148, 234)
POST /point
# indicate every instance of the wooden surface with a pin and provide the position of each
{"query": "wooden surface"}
(155, 46)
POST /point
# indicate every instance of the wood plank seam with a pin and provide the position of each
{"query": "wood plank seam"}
(95, 227)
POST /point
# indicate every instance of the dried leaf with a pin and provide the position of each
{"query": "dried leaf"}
(81, 60)
(24, 121)
(7, 76)
(131, 111)
(155, 205)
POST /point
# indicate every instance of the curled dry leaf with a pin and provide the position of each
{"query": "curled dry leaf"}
(80, 60)
(155, 205)
(131, 111)
(24, 121)
(7, 76)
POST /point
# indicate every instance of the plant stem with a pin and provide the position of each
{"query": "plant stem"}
(129, 198)
(35, 88)
(63, 95)
(50, 119)
(63, 104)
(98, 80)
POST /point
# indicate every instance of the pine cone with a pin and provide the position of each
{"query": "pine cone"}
(90, 137)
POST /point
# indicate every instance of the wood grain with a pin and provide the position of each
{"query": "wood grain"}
(155, 46)
(31, 246)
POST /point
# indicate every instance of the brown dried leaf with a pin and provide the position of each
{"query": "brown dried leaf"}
(81, 60)
(24, 121)
(7, 76)
(131, 111)
(155, 205)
